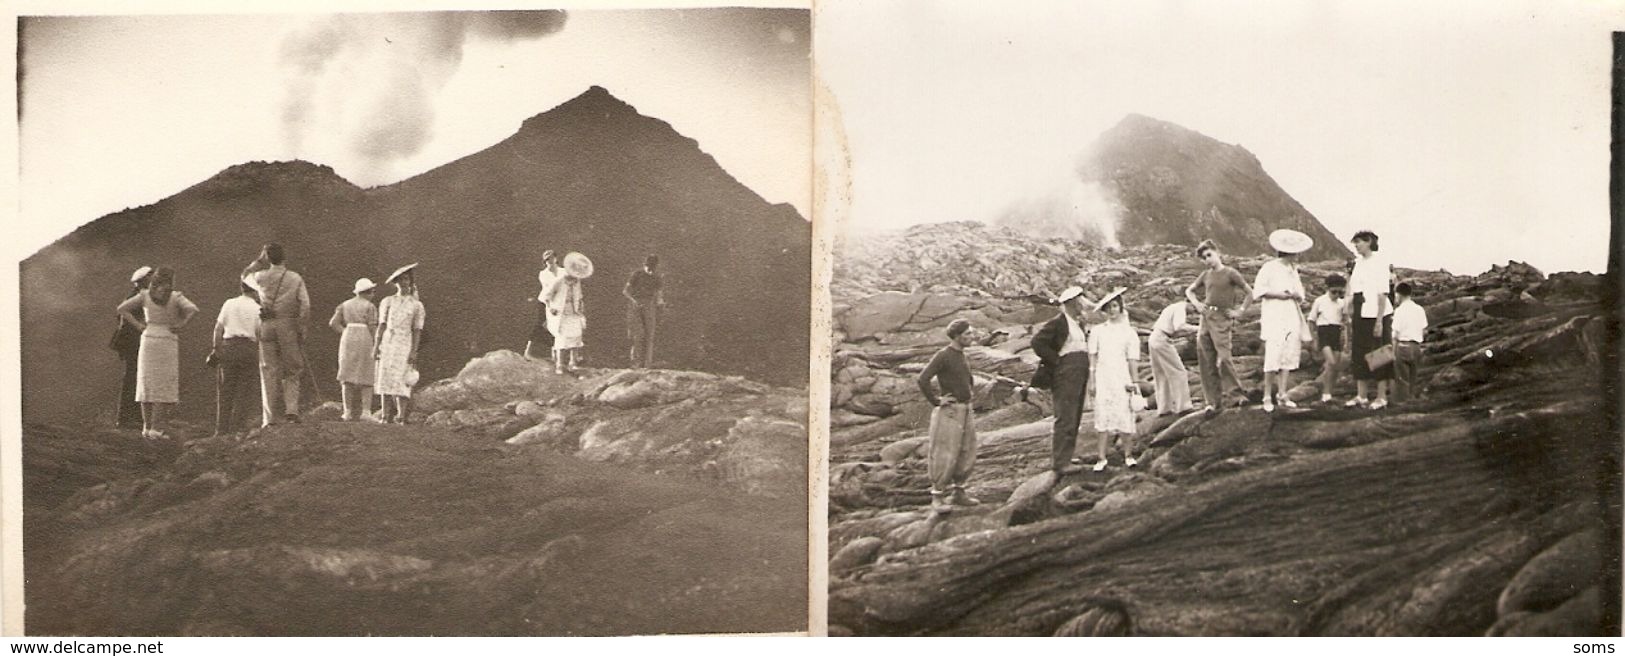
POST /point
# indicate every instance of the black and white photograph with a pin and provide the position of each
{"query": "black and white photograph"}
(414, 323)
(1222, 319)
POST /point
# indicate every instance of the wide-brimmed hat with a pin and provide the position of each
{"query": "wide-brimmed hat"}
(140, 273)
(1290, 241)
(1114, 295)
(400, 272)
(1069, 294)
(578, 265)
(362, 285)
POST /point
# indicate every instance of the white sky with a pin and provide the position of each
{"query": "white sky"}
(1464, 134)
(124, 111)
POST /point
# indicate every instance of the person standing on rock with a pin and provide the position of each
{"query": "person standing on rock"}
(1171, 380)
(236, 359)
(1225, 298)
(642, 316)
(1114, 348)
(284, 311)
(541, 340)
(356, 321)
(1062, 347)
(127, 343)
(567, 312)
(1328, 314)
(1279, 289)
(1410, 326)
(400, 329)
(952, 449)
(1372, 322)
(164, 312)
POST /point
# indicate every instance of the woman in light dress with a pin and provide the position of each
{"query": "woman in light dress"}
(356, 321)
(1280, 323)
(164, 311)
(566, 312)
(1114, 350)
(399, 330)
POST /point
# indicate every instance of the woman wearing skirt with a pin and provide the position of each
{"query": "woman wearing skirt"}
(566, 312)
(356, 320)
(1372, 324)
(164, 312)
(396, 349)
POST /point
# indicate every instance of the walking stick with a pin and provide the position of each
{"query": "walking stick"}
(304, 363)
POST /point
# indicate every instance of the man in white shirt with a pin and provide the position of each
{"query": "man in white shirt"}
(1168, 372)
(1062, 347)
(1410, 325)
(236, 359)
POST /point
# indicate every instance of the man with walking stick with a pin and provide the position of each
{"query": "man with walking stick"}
(284, 311)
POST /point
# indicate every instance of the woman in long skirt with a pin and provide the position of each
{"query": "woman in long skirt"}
(1371, 326)
(356, 320)
(399, 330)
(567, 316)
(164, 312)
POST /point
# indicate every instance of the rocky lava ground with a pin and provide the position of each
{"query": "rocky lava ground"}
(525, 504)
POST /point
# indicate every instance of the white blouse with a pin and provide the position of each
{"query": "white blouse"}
(1372, 277)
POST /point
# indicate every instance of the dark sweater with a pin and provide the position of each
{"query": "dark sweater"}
(952, 372)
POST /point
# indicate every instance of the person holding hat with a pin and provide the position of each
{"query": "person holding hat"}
(953, 429)
(642, 316)
(284, 311)
(1279, 289)
(1062, 347)
(1371, 322)
(127, 343)
(164, 312)
(566, 313)
(1114, 348)
(400, 328)
(540, 337)
(1225, 297)
(236, 358)
(356, 321)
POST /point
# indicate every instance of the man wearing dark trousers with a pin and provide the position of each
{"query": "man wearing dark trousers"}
(236, 356)
(127, 343)
(642, 317)
(1063, 367)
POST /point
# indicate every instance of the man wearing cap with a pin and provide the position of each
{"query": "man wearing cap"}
(127, 343)
(284, 311)
(541, 340)
(1062, 347)
(643, 290)
(1225, 298)
(953, 429)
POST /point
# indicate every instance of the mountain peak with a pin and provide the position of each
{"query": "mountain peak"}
(595, 102)
(261, 174)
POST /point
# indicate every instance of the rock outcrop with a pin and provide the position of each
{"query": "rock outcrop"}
(1478, 508)
(519, 503)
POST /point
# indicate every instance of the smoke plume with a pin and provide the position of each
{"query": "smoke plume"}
(372, 80)
(1082, 210)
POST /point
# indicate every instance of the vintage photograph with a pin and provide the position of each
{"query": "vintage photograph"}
(1213, 319)
(418, 323)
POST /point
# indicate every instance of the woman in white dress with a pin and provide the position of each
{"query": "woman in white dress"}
(1113, 346)
(356, 320)
(566, 312)
(164, 311)
(1280, 323)
(400, 327)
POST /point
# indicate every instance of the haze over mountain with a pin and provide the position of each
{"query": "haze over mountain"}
(1147, 181)
(591, 175)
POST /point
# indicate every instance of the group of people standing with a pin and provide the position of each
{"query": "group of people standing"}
(1091, 345)
(561, 315)
(264, 328)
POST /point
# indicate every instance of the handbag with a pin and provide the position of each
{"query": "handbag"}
(1136, 401)
(1306, 332)
(1380, 358)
